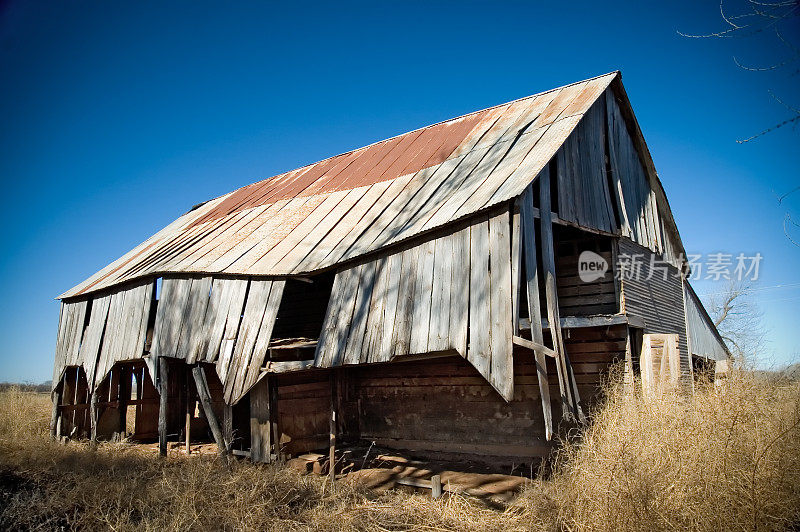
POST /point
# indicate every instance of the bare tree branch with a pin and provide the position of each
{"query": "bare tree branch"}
(783, 197)
(788, 218)
(738, 319)
(764, 69)
(762, 16)
(770, 129)
(790, 108)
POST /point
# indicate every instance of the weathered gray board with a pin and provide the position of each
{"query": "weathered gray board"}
(603, 182)
(224, 321)
(583, 192)
(126, 328)
(93, 338)
(639, 210)
(70, 334)
(422, 300)
(528, 237)
(704, 339)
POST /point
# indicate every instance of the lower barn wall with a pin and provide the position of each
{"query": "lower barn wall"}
(440, 406)
(304, 409)
(444, 405)
(592, 353)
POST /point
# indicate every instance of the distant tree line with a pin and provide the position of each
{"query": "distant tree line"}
(27, 386)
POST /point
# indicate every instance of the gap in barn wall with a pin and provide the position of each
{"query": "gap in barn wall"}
(300, 317)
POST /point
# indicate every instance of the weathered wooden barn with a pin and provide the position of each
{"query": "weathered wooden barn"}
(456, 290)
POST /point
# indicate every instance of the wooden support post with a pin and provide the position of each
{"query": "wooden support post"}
(628, 378)
(332, 438)
(646, 366)
(205, 399)
(93, 415)
(123, 396)
(75, 419)
(163, 389)
(261, 421)
(534, 309)
(273, 420)
(67, 394)
(436, 486)
(332, 446)
(187, 431)
(687, 335)
(139, 375)
(516, 265)
(566, 381)
(55, 413)
(227, 425)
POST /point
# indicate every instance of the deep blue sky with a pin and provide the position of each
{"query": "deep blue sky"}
(119, 116)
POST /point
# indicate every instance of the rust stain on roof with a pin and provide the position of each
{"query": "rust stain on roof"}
(383, 161)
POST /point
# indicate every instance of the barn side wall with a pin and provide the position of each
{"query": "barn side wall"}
(304, 409)
(649, 294)
(443, 406)
(577, 297)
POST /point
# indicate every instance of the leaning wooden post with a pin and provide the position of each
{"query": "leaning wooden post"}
(569, 389)
(332, 441)
(205, 399)
(95, 397)
(273, 420)
(163, 387)
(528, 236)
(227, 425)
(55, 413)
(75, 390)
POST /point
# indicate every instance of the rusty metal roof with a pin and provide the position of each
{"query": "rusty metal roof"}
(354, 203)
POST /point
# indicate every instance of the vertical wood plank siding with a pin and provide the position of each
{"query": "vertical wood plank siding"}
(583, 193)
(107, 329)
(70, 334)
(208, 320)
(443, 286)
(641, 213)
(126, 327)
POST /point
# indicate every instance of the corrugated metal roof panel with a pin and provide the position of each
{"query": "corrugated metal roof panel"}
(351, 204)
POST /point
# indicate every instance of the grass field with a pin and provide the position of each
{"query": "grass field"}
(729, 458)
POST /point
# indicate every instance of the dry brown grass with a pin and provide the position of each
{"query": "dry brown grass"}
(727, 459)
